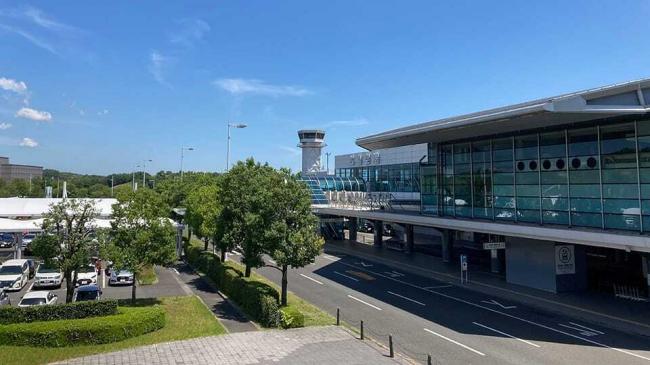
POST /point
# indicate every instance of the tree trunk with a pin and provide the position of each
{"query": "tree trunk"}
(247, 272)
(133, 288)
(283, 297)
(223, 255)
(205, 244)
(69, 287)
(189, 235)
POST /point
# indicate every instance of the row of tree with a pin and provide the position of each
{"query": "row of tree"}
(261, 211)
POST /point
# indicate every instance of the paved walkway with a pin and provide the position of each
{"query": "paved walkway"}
(228, 315)
(612, 312)
(312, 345)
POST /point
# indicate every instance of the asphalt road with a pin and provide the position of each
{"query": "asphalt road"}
(455, 325)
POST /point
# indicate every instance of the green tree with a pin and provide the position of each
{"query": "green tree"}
(68, 238)
(141, 234)
(202, 211)
(291, 236)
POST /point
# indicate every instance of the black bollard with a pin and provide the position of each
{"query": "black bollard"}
(338, 317)
(361, 330)
(390, 345)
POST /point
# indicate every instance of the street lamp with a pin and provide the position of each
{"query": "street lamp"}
(133, 177)
(144, 164)
(184, 149)
(234, 125)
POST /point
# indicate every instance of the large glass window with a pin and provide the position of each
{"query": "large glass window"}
(584, 175)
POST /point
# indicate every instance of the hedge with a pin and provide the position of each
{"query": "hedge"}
(291, 317)
(9, 315)
(129, 322)
(258, 300)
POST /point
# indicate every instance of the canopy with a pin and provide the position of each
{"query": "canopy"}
(36, 207)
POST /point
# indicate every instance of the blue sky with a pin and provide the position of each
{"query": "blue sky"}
(96, 87)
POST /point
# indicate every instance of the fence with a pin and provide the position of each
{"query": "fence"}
(628, 292)
(386, 339)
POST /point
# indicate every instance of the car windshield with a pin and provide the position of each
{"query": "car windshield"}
(86, 295)
(32, 301)
(87, 269)
(47, 270)
(10, 270)
(29, 236)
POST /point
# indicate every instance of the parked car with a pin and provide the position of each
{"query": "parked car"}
(47, 276)
(6, 240)
(4, 298)
(27, 242)
(14, 274)
(41, 297)
(87, 293)
(86, 275)
(120, 277)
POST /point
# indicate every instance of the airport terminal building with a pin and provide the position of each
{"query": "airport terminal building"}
(552, 194)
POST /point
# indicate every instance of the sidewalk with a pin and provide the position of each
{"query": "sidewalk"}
(228, 315)
(593, 307)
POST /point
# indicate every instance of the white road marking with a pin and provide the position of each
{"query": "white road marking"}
(506, 314)
(312, 279)
(393, 274)
(176, 271)
(30, 287)
(331, 258)
(492, 301)
(346, 276)
(437, 287)
(455, 342)
(409, 299)
(366, 303)
(582, 331)
(587, 328)
(364, 264)
(505, 334)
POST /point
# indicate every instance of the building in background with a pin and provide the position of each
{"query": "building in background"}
(312, 142)
(10, 171)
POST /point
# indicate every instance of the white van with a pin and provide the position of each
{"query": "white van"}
(14, 274)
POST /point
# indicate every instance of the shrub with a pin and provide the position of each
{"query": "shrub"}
(129, 322)
(9, 315)
(291, 317)
(258, 300)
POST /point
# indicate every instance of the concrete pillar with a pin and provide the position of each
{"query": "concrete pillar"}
(410, 242)
(353, 226)
(18, 247)
(379, 232)
(645, 260)
(447, 242)
(495, 263)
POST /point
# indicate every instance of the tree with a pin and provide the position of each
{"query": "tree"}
(67, 239)
(202, 211)
(141, 234)
(291, 236)
(240, 221)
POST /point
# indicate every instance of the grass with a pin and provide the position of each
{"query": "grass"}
(187, 317)
(147, 275)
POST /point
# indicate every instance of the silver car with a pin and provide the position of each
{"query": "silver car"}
(121, 277)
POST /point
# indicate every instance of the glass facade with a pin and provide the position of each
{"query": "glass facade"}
(596, 176)
(386, 178)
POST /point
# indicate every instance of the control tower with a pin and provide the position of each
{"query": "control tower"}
(311, 142)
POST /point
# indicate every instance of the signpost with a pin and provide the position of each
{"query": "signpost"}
(464, 272)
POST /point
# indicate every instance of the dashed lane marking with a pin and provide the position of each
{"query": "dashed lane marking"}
(406, 298)
(346, 276)
(587, 328)
(366, 303)
(582, 331)
(310, 278)
(455, 342)
(507, 335)
(361, 275)
(437, 287)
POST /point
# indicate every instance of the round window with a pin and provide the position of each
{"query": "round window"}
(521, 165)
(591, 162)
(532, 165)
(559, 164)
(546, 164)
(575, 163)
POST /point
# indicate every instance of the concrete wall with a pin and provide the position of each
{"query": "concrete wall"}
(531, 263)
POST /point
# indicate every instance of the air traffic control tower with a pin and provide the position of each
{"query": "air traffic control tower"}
(312, 142)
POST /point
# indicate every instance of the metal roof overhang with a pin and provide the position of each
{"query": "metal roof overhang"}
(550, 112)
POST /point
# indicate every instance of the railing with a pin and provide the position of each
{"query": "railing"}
(392, 343)
(629, 292)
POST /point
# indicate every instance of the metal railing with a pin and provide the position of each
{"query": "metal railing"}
(629, 292)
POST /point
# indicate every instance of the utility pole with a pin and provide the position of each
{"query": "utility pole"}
(144, 164)
(112, 185)
(184, 149)
(328, 161)
(235, 125)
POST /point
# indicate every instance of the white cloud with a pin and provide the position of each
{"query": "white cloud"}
(33, 114)
(18, 87)
(291, 150)
(190, 32)
(158, 64)
(346, 123)
(102, 112)
(43, 20)
(28, 142)
(4, 126)
(258, 87)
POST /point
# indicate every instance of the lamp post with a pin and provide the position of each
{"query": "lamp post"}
(144, 166)
(184, 149)
(328, 161)
(133, 177)
(234, 125)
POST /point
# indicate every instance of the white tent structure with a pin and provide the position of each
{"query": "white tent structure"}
(36, 207)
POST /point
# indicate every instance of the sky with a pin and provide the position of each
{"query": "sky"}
(98, 87)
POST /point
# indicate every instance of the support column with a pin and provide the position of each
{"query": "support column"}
(410, 242)
(447, 244)
(495, 263)
(379, 232)
(353, 226)
(645, 260)
(18, 246)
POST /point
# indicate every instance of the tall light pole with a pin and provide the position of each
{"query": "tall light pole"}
(328, 161)
(144, 166)
(133, 177)
(184, 149)
(234, 125)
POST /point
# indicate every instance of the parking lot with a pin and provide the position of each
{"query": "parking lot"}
(168, 285)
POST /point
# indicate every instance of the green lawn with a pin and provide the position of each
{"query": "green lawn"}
(147, 276)
(187, 317)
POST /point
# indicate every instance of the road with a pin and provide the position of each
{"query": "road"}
(455, 325)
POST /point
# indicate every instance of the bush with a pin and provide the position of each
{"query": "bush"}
(9, 315)
(258, 300)
(129, 322)
(291, 317)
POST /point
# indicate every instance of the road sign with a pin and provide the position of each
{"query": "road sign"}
(464, 273)
(494, 245)
(463, 262)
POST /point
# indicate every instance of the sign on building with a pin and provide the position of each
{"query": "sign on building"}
(565, 261)
(494, 245)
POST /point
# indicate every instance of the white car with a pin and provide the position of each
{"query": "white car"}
(48, 276)
(86, 275)
(34, 298)
(121, 277)
(14, 274)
